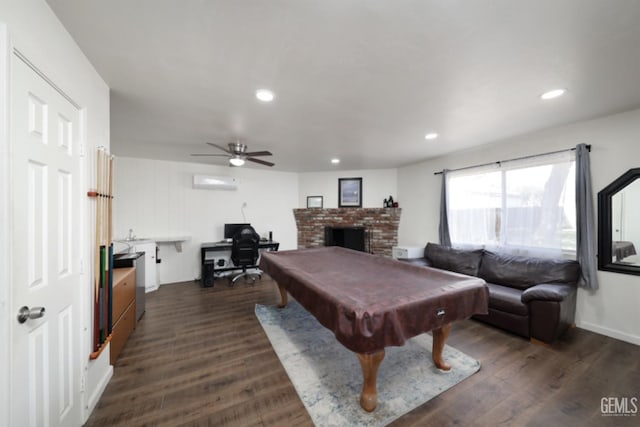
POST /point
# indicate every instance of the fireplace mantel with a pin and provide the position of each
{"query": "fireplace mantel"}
(381, 224)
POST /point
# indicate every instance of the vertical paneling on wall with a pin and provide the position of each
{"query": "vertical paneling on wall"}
(156, 199)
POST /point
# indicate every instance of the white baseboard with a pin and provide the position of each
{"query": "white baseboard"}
(97, 393)
(623, 336)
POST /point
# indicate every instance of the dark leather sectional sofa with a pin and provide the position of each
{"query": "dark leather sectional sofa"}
(531, 297)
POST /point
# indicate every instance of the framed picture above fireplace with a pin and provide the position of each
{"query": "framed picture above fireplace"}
(349, 192)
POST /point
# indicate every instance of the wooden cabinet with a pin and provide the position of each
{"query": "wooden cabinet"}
(124, 309)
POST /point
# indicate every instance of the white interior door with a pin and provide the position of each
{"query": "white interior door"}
(5, 234)
(45, 172)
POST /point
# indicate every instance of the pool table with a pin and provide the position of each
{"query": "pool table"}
(371, 302)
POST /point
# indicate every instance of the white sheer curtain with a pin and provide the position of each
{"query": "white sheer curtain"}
(474, 202)
(524, 207)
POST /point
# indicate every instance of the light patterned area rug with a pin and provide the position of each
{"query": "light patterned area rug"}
(328, 377)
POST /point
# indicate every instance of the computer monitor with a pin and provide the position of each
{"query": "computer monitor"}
(231, 229)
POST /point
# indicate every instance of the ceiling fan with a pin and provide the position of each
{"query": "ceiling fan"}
(237, 154)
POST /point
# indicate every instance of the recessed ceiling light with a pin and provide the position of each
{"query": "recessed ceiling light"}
(553, 94)
(335, 161)
(265, 95)
(431, 135)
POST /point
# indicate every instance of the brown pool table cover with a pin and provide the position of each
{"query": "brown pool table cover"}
(371, 302)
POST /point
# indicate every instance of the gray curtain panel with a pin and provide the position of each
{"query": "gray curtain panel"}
(443, 228)
(586, 228)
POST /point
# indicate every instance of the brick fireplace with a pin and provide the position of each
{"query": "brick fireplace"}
(381, 226)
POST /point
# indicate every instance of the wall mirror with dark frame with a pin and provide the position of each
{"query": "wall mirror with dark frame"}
(618, 227)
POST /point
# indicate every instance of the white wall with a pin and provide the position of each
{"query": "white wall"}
(377, 185)
(615, 148)
(156, 199)
(36, 32)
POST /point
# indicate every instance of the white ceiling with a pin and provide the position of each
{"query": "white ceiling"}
(362, 80)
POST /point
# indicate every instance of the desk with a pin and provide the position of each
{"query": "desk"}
(208, 252)
(371, 302)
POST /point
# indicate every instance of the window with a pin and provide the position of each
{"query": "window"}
(524, 207)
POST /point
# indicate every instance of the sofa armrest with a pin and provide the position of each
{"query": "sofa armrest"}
(548, 292)
(423, 262)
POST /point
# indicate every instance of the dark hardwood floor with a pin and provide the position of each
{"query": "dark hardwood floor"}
(200, 357)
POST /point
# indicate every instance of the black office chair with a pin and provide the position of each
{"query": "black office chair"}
(244, 253)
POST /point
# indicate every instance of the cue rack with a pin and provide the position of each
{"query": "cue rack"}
(103, 265)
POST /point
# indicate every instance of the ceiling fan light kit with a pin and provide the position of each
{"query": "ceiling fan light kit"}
(236, 161)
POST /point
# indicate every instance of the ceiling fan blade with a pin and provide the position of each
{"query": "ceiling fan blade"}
(210, 155)
(259, 153)
(220, 147)
(262, 162)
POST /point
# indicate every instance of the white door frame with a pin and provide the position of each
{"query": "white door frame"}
(5, 240)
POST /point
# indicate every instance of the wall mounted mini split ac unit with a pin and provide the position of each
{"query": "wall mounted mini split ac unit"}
(208, 182)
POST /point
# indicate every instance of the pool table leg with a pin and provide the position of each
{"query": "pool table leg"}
(369, 364)
(283, 296)
(439, 337)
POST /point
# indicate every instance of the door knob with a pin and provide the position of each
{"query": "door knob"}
(25, 313)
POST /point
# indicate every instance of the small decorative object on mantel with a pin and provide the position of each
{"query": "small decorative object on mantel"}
(390, 203)
(349, 192)
(314, 201)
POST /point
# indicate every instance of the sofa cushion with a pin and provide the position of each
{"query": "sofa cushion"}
(456, 260)
(523, 272)
(548, 292)
(507, 299)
